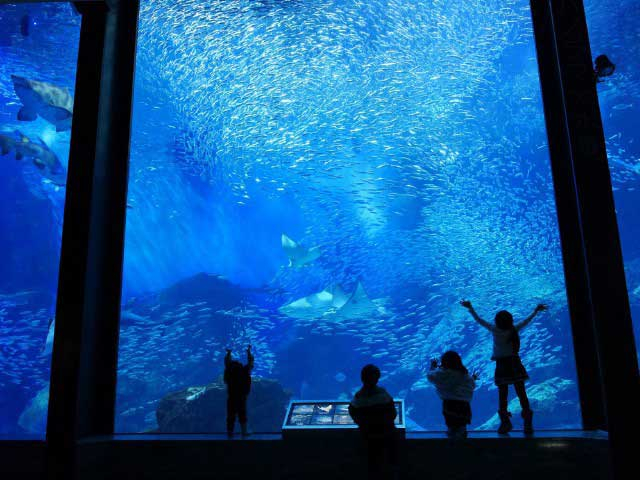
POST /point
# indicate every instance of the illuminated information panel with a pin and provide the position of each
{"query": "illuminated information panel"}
(322, 415)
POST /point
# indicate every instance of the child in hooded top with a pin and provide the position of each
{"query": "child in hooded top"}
(509, 368)
(455, 387)
(374, 411)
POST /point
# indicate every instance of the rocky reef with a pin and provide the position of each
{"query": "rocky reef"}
(203, 408)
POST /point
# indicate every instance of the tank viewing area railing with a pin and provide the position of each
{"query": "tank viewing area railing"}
(86, 428)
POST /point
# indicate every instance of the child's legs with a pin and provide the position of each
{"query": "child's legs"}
(231, 413)
(521, 391)
(375, 456)
(503, 397)
(242, 410)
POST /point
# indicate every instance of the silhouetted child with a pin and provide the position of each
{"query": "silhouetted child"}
(509, 368)
(238, 379)
(373, 410)
(455, 387)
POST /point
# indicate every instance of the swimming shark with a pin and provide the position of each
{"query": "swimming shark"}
(38, 152)
(51, 102)
(298, 254)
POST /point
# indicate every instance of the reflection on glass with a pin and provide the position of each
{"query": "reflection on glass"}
(325, 182)
(38, 54)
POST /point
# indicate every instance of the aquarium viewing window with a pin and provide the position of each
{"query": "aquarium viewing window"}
(613, 30)
(326, 181)
(38, 55)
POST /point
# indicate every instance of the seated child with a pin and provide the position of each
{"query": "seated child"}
(455, 387)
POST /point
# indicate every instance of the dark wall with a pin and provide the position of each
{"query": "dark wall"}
(334, 458)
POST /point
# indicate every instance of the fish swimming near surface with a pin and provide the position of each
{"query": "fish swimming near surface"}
(46, 162)
(298, 254)
(53, 103)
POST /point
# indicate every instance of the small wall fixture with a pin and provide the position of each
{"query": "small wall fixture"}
(603, 67)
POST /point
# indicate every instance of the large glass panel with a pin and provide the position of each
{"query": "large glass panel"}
(614, 30)
(326, 181)
(38, 55)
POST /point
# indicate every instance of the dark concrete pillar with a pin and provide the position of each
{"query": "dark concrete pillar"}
(84, 361)
(568, 210)
(587, 214)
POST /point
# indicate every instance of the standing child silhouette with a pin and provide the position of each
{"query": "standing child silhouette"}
(373, 410)
(509, 368)
(238, 379)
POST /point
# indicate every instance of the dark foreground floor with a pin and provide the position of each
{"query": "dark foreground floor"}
(548, 456)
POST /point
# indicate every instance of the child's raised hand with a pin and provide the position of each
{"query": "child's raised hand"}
(466, 304)
(541, 307)
(434, 364)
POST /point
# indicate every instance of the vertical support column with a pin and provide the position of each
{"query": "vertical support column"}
(83, 378)
(104, 279)
(65, 363)
(575, 268)
(587, 160)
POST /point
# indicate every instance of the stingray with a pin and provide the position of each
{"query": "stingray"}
(332, 302)
(51, 102)
(357, 305)
(316, 304)
(298, 254)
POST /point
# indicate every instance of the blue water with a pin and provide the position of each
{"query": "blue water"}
(403, 140)
(31, 212)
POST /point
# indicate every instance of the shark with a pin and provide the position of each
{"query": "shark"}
(297, 253)
(53, 103)
(334, 303)
(46, 162)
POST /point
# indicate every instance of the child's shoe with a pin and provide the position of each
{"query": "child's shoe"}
(505, 422)
(245, 430)
(527, 416)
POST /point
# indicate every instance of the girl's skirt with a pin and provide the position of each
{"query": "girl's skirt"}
(509, 370)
